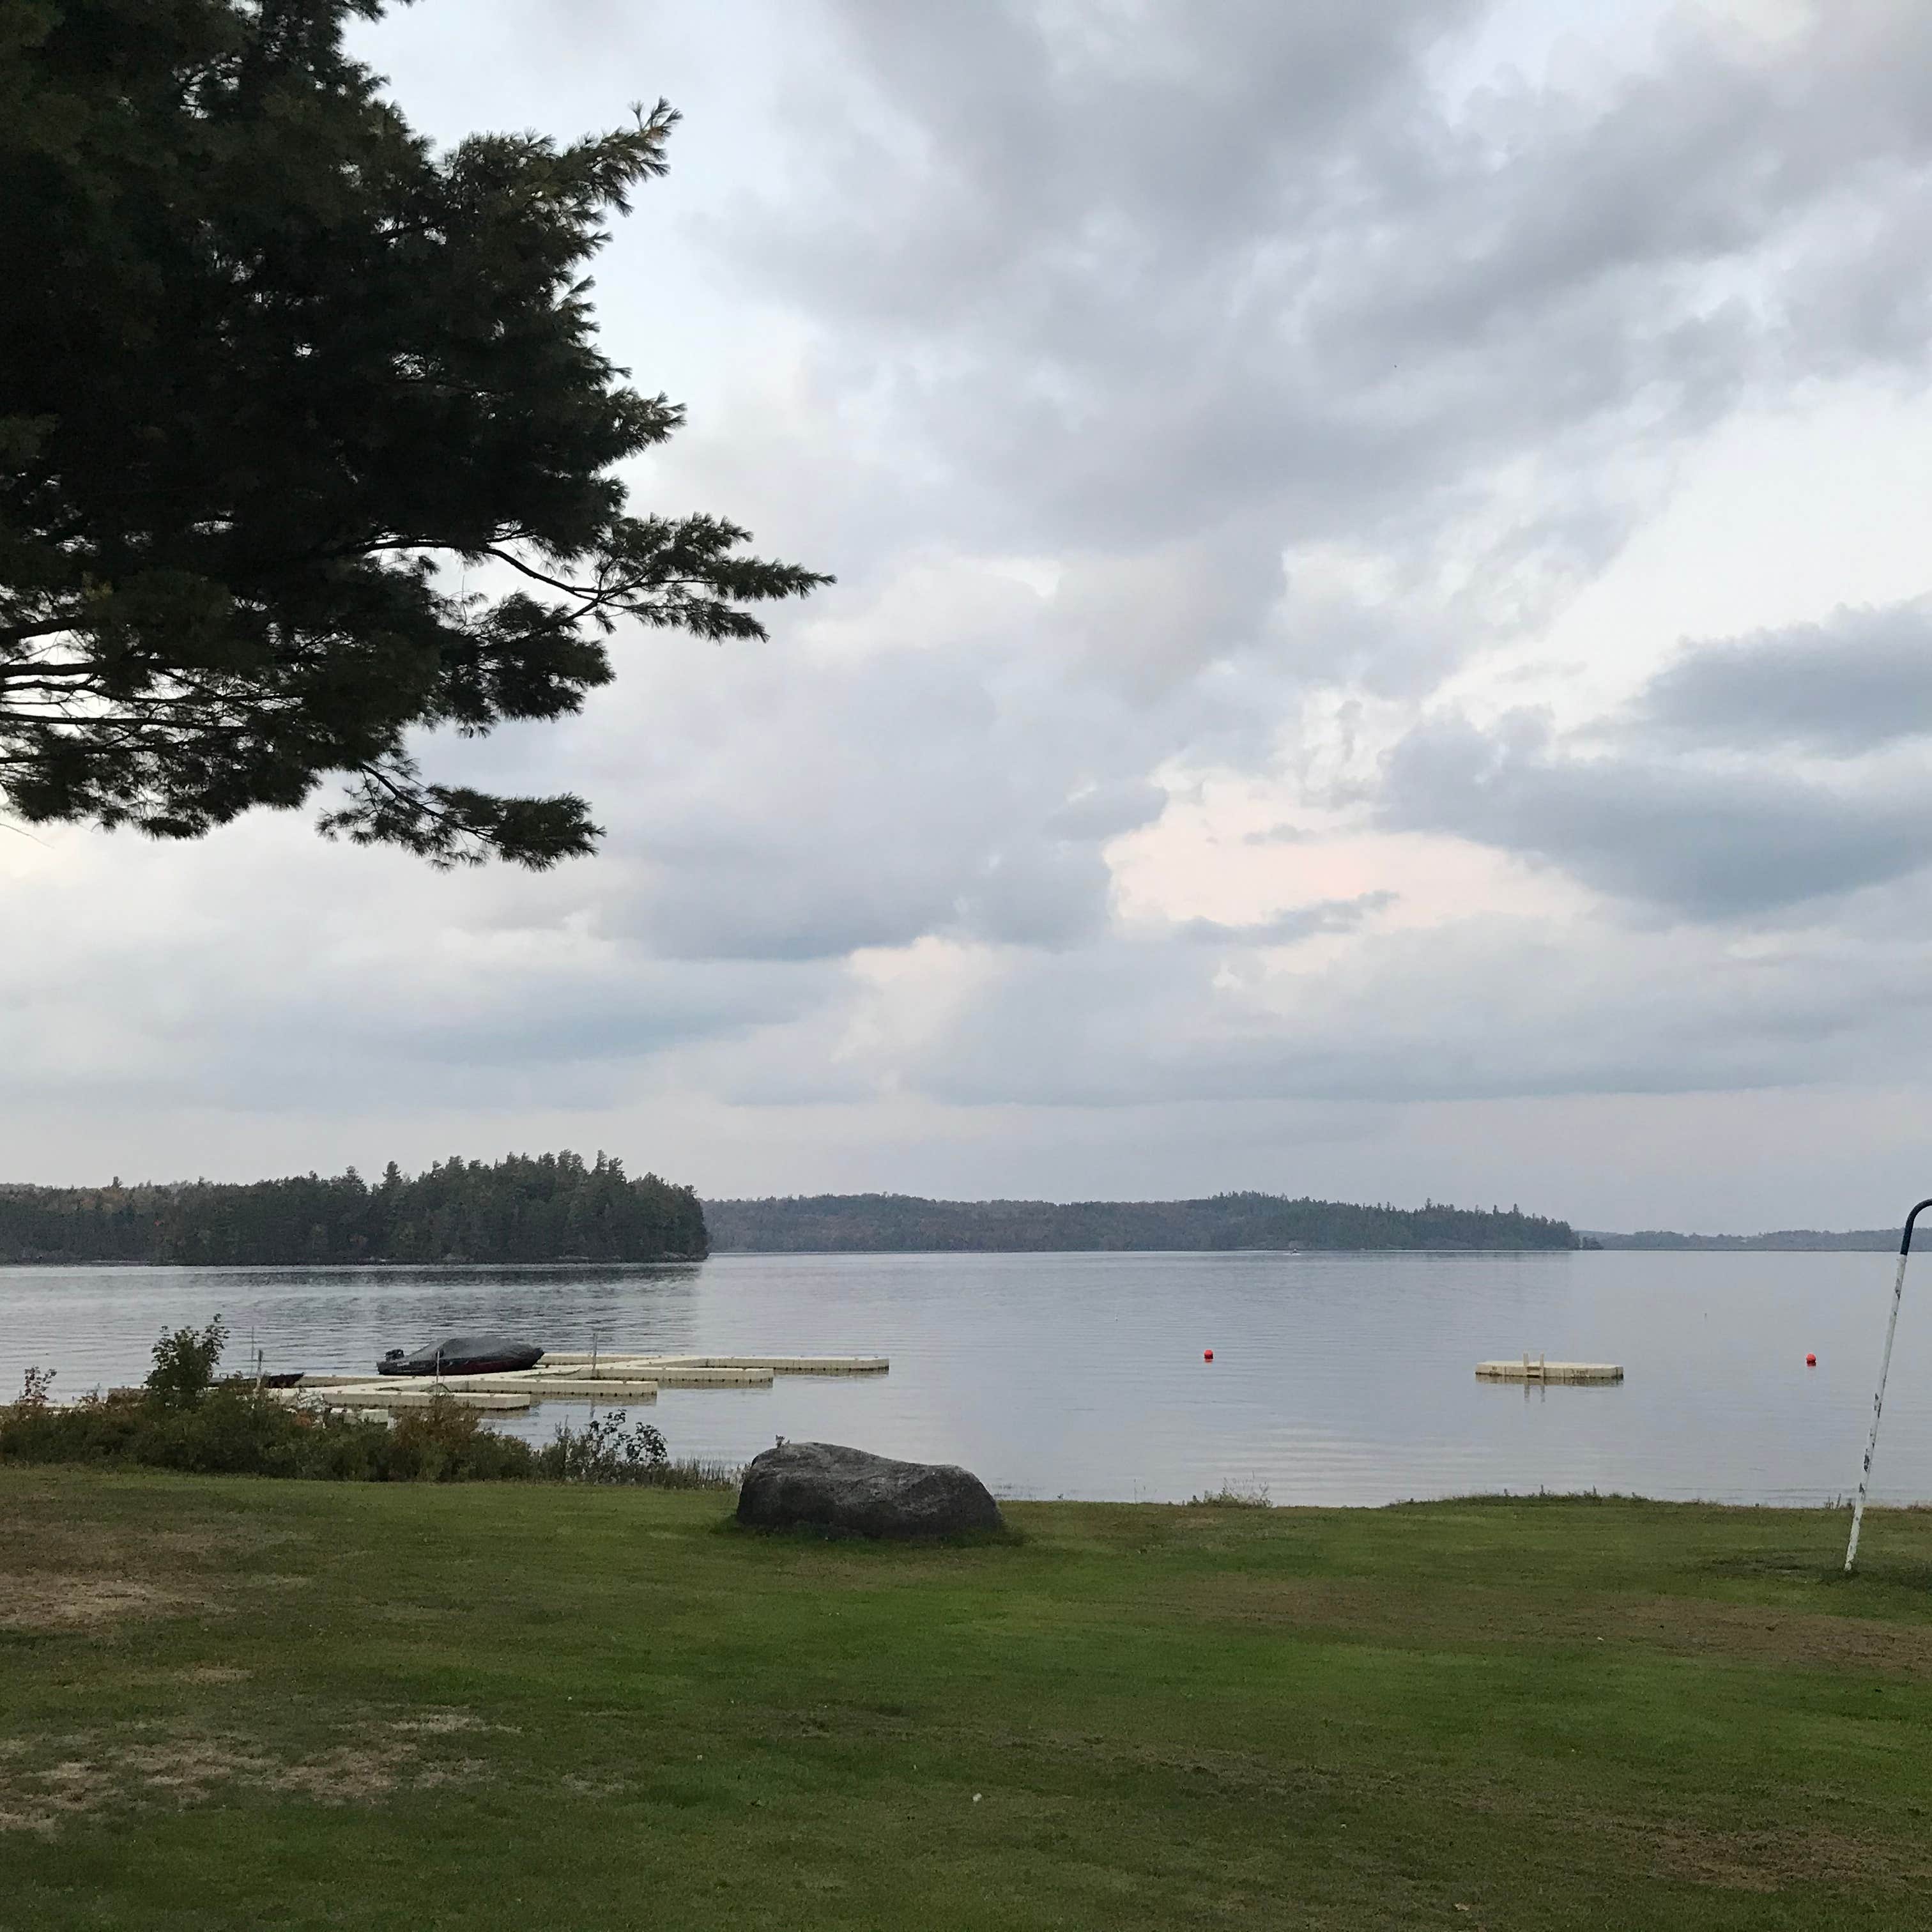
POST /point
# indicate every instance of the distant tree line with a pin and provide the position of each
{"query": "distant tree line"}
(1807, 1240)
(903, 1223)
(548, 1207)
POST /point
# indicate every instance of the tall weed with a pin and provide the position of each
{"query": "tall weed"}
(606, 1449)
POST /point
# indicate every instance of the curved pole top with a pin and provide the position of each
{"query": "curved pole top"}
(1905, 1244)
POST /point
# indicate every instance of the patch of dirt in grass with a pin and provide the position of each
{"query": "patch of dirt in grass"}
(56, 1544)
(67, 1577)
(1736, 1861)
(1686, 1627)
(190, 1769)
(203, 1541)
(1675, 1850)
(1453, 1616)
(187, 1769)
(40, 1802)
(1762, 1859)
(348, 1773)
(586, 1784)
(57, 1603)
(442, 1723)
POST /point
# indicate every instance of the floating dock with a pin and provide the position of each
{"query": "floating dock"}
(1538, 1369)
(589, 1376)
(372, 1395)
(777, 1365)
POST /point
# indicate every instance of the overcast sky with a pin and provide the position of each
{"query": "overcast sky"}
(1383, 643)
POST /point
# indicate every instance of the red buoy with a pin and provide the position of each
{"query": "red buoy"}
(1207, 1354)
(1811, 1361)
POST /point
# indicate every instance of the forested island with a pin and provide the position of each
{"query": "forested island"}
(904, 1223)
(546, 1208)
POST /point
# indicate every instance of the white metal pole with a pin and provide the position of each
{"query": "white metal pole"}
(1878, 1400)
(1878, 1408)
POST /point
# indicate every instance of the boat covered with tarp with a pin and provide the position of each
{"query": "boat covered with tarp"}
(462, 1355)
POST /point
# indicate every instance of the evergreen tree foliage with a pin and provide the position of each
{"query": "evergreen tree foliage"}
(269, 367)
(549, 1207)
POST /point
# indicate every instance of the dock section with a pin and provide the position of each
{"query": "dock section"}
(372, 1395)
(1538, 1369)
(591, 1376)
(772, 1365)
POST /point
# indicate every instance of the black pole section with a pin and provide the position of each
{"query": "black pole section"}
(1905, 1245)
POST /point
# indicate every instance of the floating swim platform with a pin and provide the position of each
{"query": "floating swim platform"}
(1537, 1369)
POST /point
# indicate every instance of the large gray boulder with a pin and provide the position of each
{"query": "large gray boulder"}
(836, 1488)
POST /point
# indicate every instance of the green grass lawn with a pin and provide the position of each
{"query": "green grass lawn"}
(235, 1702)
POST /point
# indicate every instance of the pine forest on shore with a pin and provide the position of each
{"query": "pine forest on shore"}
(558, 1208)
(549, 1208)
(904, 1224)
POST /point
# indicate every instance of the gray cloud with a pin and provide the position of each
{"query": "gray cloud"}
(1858, 681)
(1264, 286)
(825, 804)
(1688, 798)
(1297, 923)
(1703, 842)
(1484, 1007)
(353, 982)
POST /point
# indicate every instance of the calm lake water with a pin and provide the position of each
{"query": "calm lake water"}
(1336, 1378)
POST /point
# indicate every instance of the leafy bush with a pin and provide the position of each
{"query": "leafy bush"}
(184, 1419)
(605, 1451)
(185, 1360)
(444, 1442)
(227, 1431)
(1227, 1497)
(234, 1430)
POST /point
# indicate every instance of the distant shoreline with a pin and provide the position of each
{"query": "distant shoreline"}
(734, 1254)
(559, 1211)
(67, 1262)
(559, 1208)
(1787, 1241)
(1625, 1244)
(1219, 1223)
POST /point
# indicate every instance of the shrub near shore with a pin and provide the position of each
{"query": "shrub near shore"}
(184, 1418)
